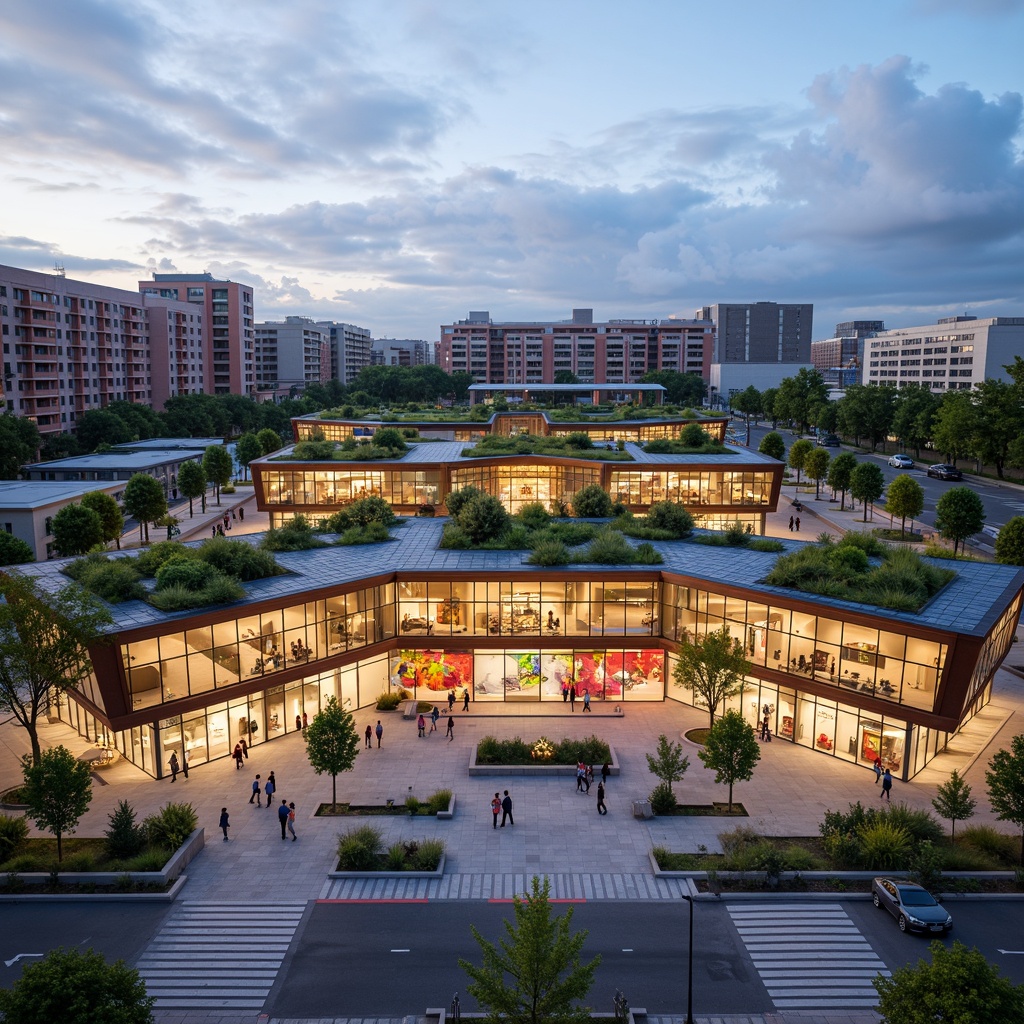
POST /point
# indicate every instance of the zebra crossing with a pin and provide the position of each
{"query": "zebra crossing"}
(810, 956)
(218, 955)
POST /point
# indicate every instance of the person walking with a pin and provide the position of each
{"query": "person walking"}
(887, 786)
(797, 524)
(256, 791)
(241, 513)
(580, 775)
(184, 762)
(434, 716)
(572, 698)
(878, 769)
(291, 821)
(601, 809)
(368, 736)
(245, 747)
(224, 825)
(588, 776)
(282, 817)
(173, 765)
(380, 732)
(465, 698)
(451, 729)
(213, 530)
(586, 700)
(305, 722)
(421, 727)
(237, 755)
(565, 691)
(790, 524)
(451, 701)
(606, 770)
(506, 810)
(495, 809)
(270, 788)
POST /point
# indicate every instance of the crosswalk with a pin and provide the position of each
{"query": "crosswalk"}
(218, 955)
(810, 956)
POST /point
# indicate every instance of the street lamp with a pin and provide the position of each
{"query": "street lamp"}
(689, 971)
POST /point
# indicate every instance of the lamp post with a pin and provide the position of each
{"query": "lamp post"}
(689, 969)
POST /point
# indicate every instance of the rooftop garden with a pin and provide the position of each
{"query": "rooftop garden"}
(693, 440)
(863, 569)
(575, 446)
(416, 412)
(386, 443)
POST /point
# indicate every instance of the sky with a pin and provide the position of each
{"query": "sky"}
(396, 164)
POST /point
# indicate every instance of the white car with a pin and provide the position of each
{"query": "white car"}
(901, 462)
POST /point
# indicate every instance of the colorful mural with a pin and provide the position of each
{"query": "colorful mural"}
(432, 670)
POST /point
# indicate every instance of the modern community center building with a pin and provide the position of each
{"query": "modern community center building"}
(848, 680)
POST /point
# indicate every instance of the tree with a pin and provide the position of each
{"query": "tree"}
(43, 647)
(1009, 543)
(145, 501)
(483, 518)
(959, 986)
(111, 516)
(840, 473)
(712, 667)
(959, 514)
(999, 420)
(542, 957)
(566, 377)
(13, 550)
(954, 802)
(904, 499)
(77, 987)
(76, 529)
(101, 426)
(1005, 780)
(867, 482)
(592, 502)
(19, 443)
(731, 751)
(748, 403)
(773, 446)
(867, 410)
(914, 416)
(58, 792)
(270, 440)
(247, 448)
(218, 467)
(816, 466)
(798, 452)
(955, 425)
(797, 395)
(768, 397)
(669, 763)
(332, 743)
(192, 483)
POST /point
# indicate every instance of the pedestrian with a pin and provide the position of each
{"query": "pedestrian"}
(270, 788)
(580, 775)
(601, 809)
(282, 817)
(797, 524)
(588, 776)
(220, 530)
(572, 698)
(790, 524)
(224, 826)
(586, 700)
(380, 732)
(213, 530)
(434, 716)
(184, 762)
(766, 730)
(298, 722)
(565, 691)
(887, 785)
(256, 792)
(305, 722)
(237, 755)
(451, 700)
(368, 735)
(606, 770)
(421, 727)
(245, 748)
(227, 521)
(291, 821)
(233, 515)
(495, 808)
(465, 698)
(241, 513)
(173, 765)
(506, 810)
(174, 493)
(451, 729)
(878, 769)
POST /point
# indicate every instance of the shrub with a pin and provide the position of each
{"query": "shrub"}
(739, 839)
(454, 539)
(884, 845)
(671, 517)
(115, 581)
(593, 502)
(359, 849)
(589, 750)
(991, 842)
(572, 534)
(494, 751)
(693, 435)
(764, 544)
(374, 533)
(579, 441)
(370, 510)
(920, 824)
(550, 552)
(659, 446)
(609, 547)
(483, 518)
(663, 800)
(926, 865)
(394, 859)
(220, 590)
(150, 860)
(81, 861)
(150, 560)
(457, 499)
(124, 837)
(390, 437)
(80, 566)
(439, 800)
(296, 535)
(313, 450)
(533, 515)
(171, 825)
(188, 573)
(428, 855)
(241, 560)
(645, 554)
(388, 701)
(13, 832)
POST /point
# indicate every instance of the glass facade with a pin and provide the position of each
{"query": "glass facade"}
(519, 485)
(691, 487)
(325, 488)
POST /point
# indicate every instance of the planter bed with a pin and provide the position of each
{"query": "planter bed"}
(537, 769)
(714, 810)
(385, 873)
(396, 809)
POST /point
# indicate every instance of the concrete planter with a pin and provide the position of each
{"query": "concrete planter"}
(392, 874)
(536, 770)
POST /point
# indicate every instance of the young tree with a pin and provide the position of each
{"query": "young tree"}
(773, 446)
(13, 550)
(76, 529)
(111, 516)
(1009, 543)
(1005, 780)
(731, 751)
(58, 791)
(270, 440)
(144, 501)
(748, 403)
(712, 667)
(867, 482)
(247, 448)
(77, 987)
(43, 647)
(669, 763)
(192, 483)
(959, 514)
(840, 472)
(904, 499)
(958, 985)
(218, 467)
(816, 467)
(332, 743)
(954, 802)
(798, 452)
(541, 956)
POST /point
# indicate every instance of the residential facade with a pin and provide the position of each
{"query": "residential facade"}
(350, 349)
(291, 353)
(403, 352)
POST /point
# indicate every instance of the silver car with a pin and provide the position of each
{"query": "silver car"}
(913, 906)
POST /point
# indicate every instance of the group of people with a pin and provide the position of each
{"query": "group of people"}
(300, 652)
(886, 779)
(794, 523)
(569, 694)
(451, 699)
(176, 767)
(584, 778)
(421, 721)
(502, 807)
(285, 811)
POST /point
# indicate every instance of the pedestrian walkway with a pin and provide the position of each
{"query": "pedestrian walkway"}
(810, 956)
(224, 956)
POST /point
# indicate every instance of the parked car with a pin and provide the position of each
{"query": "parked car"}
(945, 472)
(913, 906)
(901, 462)
(828, 441)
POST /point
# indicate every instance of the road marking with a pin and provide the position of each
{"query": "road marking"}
(1005, 952)
(399, 951)
(11, 963)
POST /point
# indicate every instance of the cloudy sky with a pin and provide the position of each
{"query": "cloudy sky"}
(396, 163)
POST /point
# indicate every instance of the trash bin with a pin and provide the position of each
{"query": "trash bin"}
(642, 809)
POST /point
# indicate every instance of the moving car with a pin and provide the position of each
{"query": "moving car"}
(945, 472)
(901, 462)
(913, 906)
(828, 441)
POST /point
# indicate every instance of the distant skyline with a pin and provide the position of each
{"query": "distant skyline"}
(398, 165)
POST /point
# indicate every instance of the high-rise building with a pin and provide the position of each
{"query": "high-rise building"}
(229, 344)
(601, 352)
(403, 352)
(291, 353)
(350, 349)
(955, 353)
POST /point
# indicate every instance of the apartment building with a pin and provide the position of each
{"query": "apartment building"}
(955, 353)
(403, 352)
(229, 342)
(350, 349)
(291, 353)
(71, 346)
(604, 352)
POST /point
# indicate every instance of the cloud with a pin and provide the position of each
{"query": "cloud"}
(34, 254)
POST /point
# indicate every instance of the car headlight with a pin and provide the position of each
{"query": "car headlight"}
(914, 920)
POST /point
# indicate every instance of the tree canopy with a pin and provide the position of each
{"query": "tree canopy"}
(905, 499)
(332, 743)
(110, 515)
(773, 446)
(731, 751)
(1005, 780)
(959, 514)
(76, 529)
(58, 792)
(192, 483)
(218, 467)
(13, 550)
(145, 501)
(712, 667)
(867, 482)
(19, 443)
